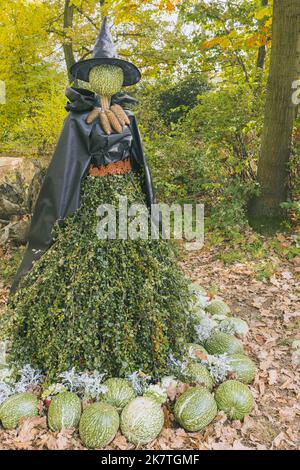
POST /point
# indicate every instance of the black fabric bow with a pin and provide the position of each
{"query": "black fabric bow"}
(82, 99)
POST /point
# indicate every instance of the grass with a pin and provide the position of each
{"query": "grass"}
(10, 260)
(265, 270)
(248, 246)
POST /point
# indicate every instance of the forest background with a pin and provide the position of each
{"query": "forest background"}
(205, 67)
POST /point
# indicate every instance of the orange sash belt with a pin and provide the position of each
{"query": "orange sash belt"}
(118, 168)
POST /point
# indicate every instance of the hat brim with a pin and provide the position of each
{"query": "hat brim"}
(82, 69)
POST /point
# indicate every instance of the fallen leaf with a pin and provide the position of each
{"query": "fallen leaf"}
(200, 355)
(121, 442)
(237, 445)
(27, 430)
(278, 439)
(167, 417)
(63, 438)
(51, 442)
(272, 376)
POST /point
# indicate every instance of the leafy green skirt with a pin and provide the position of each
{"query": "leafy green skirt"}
(113, 305)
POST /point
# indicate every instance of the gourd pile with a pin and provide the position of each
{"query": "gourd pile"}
(212, 376)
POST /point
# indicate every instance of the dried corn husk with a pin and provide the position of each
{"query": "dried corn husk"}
(114, 122)
(92, 116)
(105, 123)
(120, 113)
(104, 102)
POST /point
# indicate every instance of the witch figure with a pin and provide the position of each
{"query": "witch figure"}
(78, 300)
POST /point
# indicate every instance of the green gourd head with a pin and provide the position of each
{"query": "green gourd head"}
(106, 79)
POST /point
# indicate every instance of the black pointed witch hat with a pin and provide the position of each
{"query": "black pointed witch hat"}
(105, 53)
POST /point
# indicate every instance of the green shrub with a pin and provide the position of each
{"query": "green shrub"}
(115, 306)
(10, 263)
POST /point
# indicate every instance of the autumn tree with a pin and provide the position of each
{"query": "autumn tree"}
(33, 112)
(280, 112)
(40, 40)
(67, 44)
(262, 50)
(77, 22)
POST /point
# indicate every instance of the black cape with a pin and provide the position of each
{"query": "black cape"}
(60, 193)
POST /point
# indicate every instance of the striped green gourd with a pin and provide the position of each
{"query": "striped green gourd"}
(197, 373)
(234, 325)
(119, 392)
(64, 411)
(98, 425)
(243, 368)
(157, 393)
(218, 307)
(142, 420)
(235, 399)
(17, 407)
(221, 343)
(195, 409)
(194, 348)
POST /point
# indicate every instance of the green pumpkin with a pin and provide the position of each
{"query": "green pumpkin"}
(221, 343)
(235, 399)
(64, 411)
(235, 326)
(197, 373)
(195, 409)
(98, 425)
(243, 368)
(142, 420)
(17, 407)
(218, 307)
(119, 393)
(157, 393)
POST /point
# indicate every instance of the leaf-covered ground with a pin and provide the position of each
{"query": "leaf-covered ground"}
(270, 302)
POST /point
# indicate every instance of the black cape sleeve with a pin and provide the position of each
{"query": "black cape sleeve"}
(139, 160)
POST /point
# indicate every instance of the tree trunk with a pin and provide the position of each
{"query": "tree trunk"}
(280, 111)
(261, 56)
(67, 45)
(262, 51)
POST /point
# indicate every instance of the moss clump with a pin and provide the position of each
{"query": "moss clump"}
(112, 305)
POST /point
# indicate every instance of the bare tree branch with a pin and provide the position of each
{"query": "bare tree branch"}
(67, 45)
(90, 20)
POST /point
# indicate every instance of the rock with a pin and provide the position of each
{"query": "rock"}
(17, 201)
(15, 231)
(8, 208)
(34, 188)
(13, 190)
(9, 166)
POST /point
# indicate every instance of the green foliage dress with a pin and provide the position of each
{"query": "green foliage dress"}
(115, 305)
